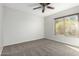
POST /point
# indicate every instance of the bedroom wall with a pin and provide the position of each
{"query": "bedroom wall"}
(50, 23)
(1, 18)
(21, 26)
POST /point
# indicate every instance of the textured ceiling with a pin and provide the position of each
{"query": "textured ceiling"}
(28, 7)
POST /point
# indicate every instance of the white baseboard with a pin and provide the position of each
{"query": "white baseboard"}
(1, 48)
(22, 41)
(68, 40)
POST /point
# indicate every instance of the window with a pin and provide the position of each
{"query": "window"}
(60, 26)
(67, 25)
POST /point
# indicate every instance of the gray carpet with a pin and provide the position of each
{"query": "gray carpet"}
(42, 47)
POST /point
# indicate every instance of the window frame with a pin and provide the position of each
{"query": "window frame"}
(63, 20)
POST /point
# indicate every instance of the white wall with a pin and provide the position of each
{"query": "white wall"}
(50, 23)
(21, 26)
(1, 17)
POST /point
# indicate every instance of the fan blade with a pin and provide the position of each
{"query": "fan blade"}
(47, 3)
(43, 10)
(50, 7)
(36, 8)
(41, 4)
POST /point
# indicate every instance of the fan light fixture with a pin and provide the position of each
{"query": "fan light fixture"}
(43, 5)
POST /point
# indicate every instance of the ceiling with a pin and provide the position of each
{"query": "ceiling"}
(28, 7)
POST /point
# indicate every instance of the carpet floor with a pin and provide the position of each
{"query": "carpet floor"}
(41, 47)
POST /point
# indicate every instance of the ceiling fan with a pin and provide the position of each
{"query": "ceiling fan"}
(43, 5)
